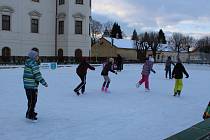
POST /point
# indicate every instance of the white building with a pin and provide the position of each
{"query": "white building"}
(27, 24)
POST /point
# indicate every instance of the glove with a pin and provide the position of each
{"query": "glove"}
(46, 85)
(187, 76)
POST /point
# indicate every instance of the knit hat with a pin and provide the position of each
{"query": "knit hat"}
(32, 54)
(111, 60)
(151, 59)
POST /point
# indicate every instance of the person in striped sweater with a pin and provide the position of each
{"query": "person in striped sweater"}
(206, 113)
(147, 67)
(31, 79)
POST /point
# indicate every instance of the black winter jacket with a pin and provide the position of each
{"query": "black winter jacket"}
(107, 68)
(178, 71)
(82, 68)
(168, 64)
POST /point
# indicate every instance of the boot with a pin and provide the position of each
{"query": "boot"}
(147, 89)
(31, 116)
(175, 93)
(102, 89)
(137, 85)
(178, 92)
(106, 89)
(77, 92)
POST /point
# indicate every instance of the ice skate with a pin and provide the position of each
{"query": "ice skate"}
(77, 92)
(137, 85)
(178, 92)
(147, 89)
(102, 89)
(106, 90)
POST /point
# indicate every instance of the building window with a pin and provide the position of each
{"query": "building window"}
(79, 1)
(35, 0)
(78, 53)
(6, 54)
(6, 22)
(34, 25)
(61, 2)
(61, 27)
(60, 52)
(78, 27)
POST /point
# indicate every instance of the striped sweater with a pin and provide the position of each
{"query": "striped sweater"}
(32, 76)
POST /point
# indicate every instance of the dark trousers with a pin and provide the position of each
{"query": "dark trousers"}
(82, 84)
(32, 99)
(106, 81)
(168, 71)
(119, 66)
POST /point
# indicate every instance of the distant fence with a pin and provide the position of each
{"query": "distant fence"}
(20, 60)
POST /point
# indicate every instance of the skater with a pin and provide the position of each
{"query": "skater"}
(177, 73)
(147, 67)
(105, 73)
(36, 50)
(82, 72)
(168, 67)
(119, 63)
(206, 113)
(31, 79)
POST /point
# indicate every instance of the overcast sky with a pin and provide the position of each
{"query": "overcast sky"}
(185, 16)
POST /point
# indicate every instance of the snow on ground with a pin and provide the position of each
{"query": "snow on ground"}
(127, 113)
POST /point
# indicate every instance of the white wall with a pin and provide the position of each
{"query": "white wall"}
(20, 39)
(83, 41)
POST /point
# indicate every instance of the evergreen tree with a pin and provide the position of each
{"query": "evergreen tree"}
(116, 31)
(134, 36)
(106, 33)
(119, 32)
(161, 38)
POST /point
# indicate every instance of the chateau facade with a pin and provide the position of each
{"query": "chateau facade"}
(55, 27)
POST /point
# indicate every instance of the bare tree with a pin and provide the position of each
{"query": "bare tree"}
(204, 44)
(177, 40)
(108, 25)
(188, 42)
(96, 29)
(142, 46)
(153, 42)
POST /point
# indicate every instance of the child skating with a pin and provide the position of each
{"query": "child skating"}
(147, 67)
(105, 73)
(82, 72)
(177, 73)
(168, 64)
(31, 79)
